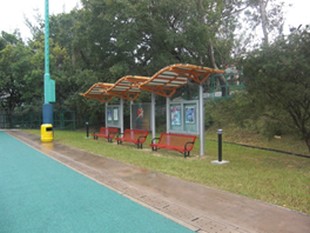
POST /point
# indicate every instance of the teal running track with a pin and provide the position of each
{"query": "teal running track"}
(39, 195)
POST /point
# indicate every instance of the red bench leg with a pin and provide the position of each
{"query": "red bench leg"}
(119, 142)
(186, 154)
(139, 145)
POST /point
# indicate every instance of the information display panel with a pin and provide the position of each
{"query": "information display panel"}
(113, 116)
(183, 117)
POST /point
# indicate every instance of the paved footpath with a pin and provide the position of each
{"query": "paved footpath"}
(200, 208)
(41, 195)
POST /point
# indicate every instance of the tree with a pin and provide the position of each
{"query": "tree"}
(266, 14)
(278, 78)
(15, 67)
(130, 37)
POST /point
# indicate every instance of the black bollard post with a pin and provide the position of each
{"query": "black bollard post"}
(219, 161)
(219, 132)
(87, 129)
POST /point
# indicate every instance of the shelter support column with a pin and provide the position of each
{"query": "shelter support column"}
(130, 109)
(201, 121)
(167, 114)
(122, 115)
(106, 115)
(153, 113)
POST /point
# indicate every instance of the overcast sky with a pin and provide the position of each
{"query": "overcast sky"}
(13, 12)
(298, 13)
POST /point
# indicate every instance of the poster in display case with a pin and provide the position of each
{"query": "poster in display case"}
(175, 111)
(190, 114)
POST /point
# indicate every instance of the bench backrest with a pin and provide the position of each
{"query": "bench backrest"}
(134, 134)
(111, 130)
(103, 130)
(174, 139)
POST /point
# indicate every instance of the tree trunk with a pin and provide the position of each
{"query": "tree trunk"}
(220, 77)
(262, 9)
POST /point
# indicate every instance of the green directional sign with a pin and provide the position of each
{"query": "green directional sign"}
(49, 89)
(50, 95)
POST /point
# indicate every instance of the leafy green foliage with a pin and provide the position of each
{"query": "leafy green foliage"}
(129, 36)
(237, 110)
(278, 80)
(15, 68)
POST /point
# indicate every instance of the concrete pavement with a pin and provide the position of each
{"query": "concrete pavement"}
(198, 207)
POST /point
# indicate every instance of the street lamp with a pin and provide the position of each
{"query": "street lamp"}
(49, 86)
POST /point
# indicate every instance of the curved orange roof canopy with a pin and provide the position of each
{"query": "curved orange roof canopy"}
(98, 92)
(165, 83)
(127, 87)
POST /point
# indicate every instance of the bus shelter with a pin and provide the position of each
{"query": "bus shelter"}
(183, 116)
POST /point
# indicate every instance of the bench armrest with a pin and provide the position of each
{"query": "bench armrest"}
(186, 144)
(141, 137)
(119, 134)
(154, 139)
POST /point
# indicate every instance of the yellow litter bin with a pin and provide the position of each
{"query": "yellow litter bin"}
(47, 133)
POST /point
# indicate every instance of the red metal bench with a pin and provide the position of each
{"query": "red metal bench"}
(171, 141)
(136, 136)
(108, 133)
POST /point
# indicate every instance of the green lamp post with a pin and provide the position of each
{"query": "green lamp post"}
(49, 87)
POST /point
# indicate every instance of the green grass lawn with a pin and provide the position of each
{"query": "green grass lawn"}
(272, 177)
(284, 143)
